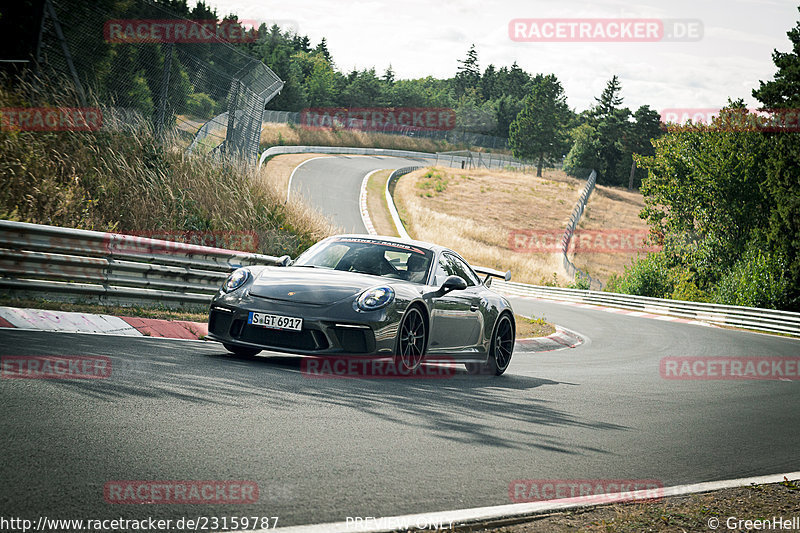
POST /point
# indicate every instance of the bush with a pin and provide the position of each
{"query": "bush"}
(685, 283)
(580, 283)
(646, 276)
(758, 279)
(200, 105)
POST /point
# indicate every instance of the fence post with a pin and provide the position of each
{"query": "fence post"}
(162, 103)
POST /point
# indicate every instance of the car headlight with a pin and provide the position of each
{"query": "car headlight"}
(375, 298)
(236, 280)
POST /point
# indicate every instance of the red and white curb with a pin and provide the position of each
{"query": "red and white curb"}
(618, 311)
(71, 322)
(563, 338)
(362, 203)
(486, 516)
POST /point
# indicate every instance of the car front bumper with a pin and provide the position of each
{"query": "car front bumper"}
(334, 329)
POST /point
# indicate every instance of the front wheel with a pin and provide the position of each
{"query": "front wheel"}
(241, 351)
(411, 339)
(500, 350)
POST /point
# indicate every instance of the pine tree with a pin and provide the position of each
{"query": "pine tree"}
(784, 90)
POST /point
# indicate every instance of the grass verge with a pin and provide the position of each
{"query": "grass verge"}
(99, 309)
(528, 328)
(679, 514)
(376, 204)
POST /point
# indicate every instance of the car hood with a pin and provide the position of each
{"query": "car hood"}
(311, 285)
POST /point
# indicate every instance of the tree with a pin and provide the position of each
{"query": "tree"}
(610, 122)
(538, 132)
(506, 110)
(637, 140)
(388, 76)
(784, 90)
(469, 74)
(782, 181)
(322, 49)
(703, 194)
(585, 152)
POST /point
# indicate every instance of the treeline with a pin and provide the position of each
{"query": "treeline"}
(724, 201)
(487, 100)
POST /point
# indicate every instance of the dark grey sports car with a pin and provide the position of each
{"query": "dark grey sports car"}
(356, 295)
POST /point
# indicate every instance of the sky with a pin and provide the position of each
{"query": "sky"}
(426, 38)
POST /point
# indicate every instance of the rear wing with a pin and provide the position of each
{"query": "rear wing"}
(492, 273)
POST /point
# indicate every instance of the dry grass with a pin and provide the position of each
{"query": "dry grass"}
(610, 208)
(277, 134)
(676, 514)
(478, 209)
(376, 204)
(126, 179)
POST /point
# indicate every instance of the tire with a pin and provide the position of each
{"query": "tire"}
(500, 350)
(412, 337)
(241, 351)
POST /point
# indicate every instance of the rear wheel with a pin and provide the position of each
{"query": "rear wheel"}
(411, 339)
(500, 350)
(241, 351)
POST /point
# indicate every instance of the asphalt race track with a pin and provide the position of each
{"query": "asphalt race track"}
(332, 185)
(324, 449)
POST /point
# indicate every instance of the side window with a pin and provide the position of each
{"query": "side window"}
(461, 269)
(450, 265)
(442, 271)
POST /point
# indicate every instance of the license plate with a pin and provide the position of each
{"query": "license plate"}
(275, 321)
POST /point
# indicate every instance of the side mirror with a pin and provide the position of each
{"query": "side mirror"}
(453, 283)
(285, 261)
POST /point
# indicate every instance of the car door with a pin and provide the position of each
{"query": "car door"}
(456, 318)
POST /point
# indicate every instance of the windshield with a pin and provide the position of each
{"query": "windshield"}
(369, 256)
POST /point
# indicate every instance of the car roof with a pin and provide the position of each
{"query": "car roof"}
(421, 244)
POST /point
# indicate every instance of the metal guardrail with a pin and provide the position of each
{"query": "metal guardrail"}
(724, 315)
(344, 150)
(574, 218)
(113, 268)
(401, 230)
(463, 159)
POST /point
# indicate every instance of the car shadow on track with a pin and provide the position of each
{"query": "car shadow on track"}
(504, 412)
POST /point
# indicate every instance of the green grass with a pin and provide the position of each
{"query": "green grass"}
(432, 183)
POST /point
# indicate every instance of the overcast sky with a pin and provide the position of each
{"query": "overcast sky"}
(425, 37)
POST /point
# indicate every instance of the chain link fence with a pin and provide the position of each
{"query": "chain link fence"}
(138, 60)
(573, 271)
